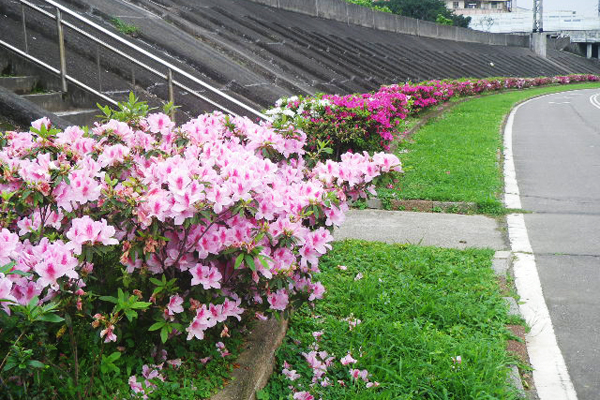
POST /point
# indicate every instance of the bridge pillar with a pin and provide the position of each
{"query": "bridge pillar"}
(589, 50)
(538, 43)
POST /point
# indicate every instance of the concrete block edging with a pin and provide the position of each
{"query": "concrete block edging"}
(256, 363)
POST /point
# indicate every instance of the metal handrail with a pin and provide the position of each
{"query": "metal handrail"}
(57, 72)
(170, 67)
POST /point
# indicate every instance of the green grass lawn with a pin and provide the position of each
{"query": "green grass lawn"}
(457, 156)
(421, 308)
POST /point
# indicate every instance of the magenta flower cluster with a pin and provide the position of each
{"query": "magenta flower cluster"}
(372, 121)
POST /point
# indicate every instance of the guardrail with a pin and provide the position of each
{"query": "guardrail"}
(167, 76)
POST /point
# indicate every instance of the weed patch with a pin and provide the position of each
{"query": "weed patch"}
(425, 323)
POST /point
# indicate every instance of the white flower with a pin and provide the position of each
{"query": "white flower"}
(273, 111)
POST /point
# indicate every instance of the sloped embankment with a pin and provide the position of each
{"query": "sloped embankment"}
(259, 53)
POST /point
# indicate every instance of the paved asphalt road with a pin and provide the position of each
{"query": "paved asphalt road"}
(557, 158)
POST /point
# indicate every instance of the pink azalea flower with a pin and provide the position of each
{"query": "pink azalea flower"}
(110, 335)
(348, 360)
(317, 291)
(292, 375)
(87, 231)
(136, 386)
(8, 245)
(175, 305)
(362, 374)
(37, 124)
(303, 396)
(5, 293)
(209, 277)
(202, 321)
(113, 155)
(176, 363)
(57, 262)
(159, 123)
(278, 300)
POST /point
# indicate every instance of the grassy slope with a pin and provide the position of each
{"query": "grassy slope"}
(455, 157)
(419, 308)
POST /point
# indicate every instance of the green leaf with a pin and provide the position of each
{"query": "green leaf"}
(36, 364)
(250, 262)
(238, 261)
(10, 364)
(157, 325)
(114, 356)
(131, 315)
(164, 333)
(33, 302)
(140, 305)
(156, 281)
(263, 261)
(110, 299)
(6, 268)
(51, 318)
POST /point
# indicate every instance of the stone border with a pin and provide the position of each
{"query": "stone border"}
(425, 206)
(502, 266)
(254, 366)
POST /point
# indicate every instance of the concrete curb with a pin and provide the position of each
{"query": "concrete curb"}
(255, 364)
(424, 206)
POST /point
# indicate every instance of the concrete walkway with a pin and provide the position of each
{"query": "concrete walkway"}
(427, 229)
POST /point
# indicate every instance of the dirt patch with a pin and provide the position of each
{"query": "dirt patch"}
(503, 286)
(519, 349)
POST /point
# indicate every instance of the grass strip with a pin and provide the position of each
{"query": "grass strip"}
(456, 156)
(420, 308)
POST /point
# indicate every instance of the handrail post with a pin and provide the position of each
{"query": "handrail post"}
(99, 68)
(171, 93)
(61, 50)
(24, 28)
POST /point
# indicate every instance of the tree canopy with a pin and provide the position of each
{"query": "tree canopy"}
(428, 10)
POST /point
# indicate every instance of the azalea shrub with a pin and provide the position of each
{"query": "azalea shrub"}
(144, 238)
(373, 121)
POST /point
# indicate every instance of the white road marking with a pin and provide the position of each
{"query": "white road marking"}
(595, 101)
(559, 102)
(550, 373)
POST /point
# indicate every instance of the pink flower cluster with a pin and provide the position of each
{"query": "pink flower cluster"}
(227, 207)
(321, 363)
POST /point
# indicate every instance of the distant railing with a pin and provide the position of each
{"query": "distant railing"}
(166, 76)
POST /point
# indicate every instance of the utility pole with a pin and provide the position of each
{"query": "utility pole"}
(538, 17)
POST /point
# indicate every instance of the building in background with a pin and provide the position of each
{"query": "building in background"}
(479, 7)
(521, 20)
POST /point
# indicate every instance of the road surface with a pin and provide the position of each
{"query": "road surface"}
(556, 146)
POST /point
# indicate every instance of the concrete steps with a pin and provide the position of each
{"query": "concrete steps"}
(19, 84)
(53, 102)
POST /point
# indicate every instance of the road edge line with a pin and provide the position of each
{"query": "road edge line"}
(550, 374)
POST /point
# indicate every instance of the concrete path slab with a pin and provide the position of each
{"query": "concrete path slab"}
(427, 229)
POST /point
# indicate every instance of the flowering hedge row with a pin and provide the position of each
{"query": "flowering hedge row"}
(143, 225)
(371, 121)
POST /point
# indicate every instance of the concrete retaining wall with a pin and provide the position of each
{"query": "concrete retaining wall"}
(340, 10)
